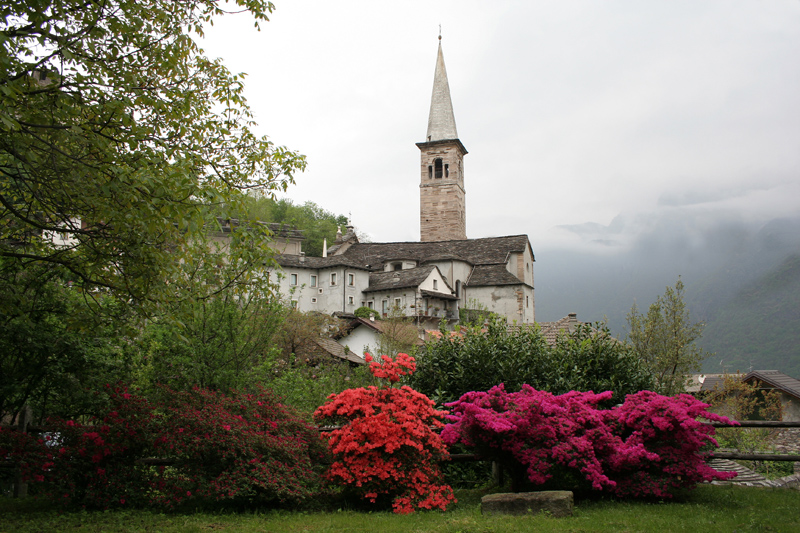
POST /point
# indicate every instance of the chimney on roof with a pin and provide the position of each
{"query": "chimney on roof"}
(325, 247)
(302, 257)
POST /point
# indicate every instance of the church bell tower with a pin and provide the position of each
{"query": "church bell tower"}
(442, 213)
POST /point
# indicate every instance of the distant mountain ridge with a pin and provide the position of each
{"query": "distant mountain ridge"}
(742, 281)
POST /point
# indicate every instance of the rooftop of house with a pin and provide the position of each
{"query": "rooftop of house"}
(776, 380)
(550, 330)
(277, 230)
(491, 275)
(337, 350)
(399, 279)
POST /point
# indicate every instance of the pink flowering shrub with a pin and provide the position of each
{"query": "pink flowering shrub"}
(677, 444)
(649, 446)
(387, 445)
(237, 448)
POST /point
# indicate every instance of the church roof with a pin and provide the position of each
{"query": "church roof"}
(441, 120)
(485, 251)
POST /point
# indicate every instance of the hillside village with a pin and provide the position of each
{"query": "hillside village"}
(168, 346)
(445, 273)
(431, 280)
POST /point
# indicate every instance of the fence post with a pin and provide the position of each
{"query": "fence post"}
(497, 474)
(20, 487)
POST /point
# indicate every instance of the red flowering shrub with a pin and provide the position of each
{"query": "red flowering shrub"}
(30, 454)
(245, 448)
(215, 448)
(387, 444)
(649, 446)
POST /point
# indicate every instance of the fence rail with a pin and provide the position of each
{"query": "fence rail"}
(20, 488)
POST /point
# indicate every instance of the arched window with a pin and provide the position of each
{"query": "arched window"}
(437, 168)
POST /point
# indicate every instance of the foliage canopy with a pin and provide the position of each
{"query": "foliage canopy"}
(477, 359)
(116, 135)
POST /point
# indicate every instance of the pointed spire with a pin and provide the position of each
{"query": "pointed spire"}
(441, 120)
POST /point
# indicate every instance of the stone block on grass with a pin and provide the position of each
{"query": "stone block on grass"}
(556, 503)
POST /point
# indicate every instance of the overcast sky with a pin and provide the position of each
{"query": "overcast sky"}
(575, 114)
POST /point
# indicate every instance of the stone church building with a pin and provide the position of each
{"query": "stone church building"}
(433, 278)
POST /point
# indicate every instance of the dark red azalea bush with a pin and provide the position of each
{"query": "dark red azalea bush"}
(649, 446)
(387, 444)
(239, 448)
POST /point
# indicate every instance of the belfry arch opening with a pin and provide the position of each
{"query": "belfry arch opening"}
(437, 168)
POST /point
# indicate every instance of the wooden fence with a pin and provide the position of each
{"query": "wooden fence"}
(20, 488)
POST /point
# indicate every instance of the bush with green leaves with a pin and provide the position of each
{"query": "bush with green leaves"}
(477, 359)
(366, 312)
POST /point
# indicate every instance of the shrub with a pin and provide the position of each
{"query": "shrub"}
(366, 312)
(587, 359)
(244, 448)
(677, 444)
(387, 445)
(649, 446)
(236, 448)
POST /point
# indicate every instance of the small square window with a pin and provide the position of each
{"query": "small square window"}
(313, 300)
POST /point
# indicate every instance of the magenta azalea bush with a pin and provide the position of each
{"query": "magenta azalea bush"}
(649, 446)
(210, 448)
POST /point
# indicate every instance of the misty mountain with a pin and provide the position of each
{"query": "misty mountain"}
(742, 279)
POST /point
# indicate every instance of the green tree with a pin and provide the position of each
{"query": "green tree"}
(665, 338)
(117, 133)
(57, 344)
(316, 223)
(223, 343)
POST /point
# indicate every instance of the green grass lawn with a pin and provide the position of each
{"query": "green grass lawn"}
(708, 508)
